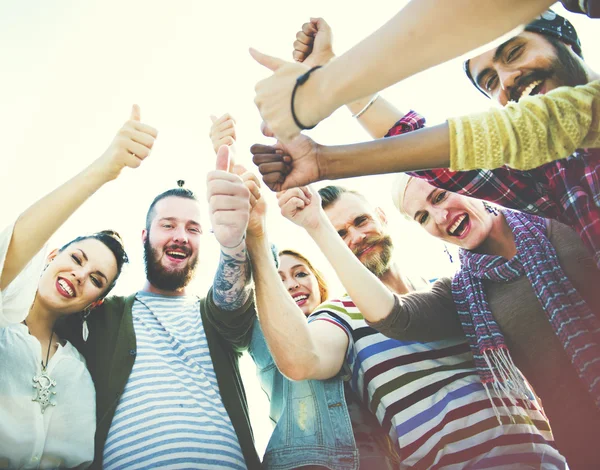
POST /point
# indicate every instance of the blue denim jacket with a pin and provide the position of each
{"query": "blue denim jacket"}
(312, 425)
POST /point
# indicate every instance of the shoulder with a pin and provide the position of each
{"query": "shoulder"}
(342, 311)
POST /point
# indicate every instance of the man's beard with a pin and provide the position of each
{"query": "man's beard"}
(565, 69)
(376, 262)
(165, 279)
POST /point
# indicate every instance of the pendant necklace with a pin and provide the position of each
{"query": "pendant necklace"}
(43, 383)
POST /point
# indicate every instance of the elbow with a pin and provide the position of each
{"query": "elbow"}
(296, 370)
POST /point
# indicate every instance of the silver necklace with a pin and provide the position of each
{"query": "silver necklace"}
(43, 383)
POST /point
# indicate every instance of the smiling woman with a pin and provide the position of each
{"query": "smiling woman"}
(525, 297)
(52, 424)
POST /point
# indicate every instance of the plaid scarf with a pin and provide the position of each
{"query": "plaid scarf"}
(574, 323)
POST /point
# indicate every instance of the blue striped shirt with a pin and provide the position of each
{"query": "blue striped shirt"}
(171, 414)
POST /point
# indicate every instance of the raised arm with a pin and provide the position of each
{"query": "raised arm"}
(314, 47)
(229, 207)
(524, 135)
(433, 31)
(35, 226)
(301, 351)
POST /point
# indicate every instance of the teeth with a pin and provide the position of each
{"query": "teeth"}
(527, 91)
(176, 254)
(455, 225)
(66, 287)
(300, 298)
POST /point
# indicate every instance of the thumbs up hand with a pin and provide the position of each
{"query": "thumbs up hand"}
(228, 203)
(222, 132)
(129, 148)
(274, 97)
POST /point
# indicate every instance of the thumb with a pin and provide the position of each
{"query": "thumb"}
(213, 118)
(223, 158)
(270, 62)
(135, 113)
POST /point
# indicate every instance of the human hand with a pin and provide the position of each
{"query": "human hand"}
(258, 212)
(301, 206)
(314, 43)
(285, 166)
(228, 201)
(129, 148)
(274, 97)
(222, 132)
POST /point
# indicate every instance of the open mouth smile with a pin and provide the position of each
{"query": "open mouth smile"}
(533, 88)
(176, 256)
(460, 226)
(65, 288)
(300, 299)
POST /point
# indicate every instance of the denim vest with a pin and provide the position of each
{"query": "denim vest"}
(312, 424)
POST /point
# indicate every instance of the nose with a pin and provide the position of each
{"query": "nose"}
(78, 276)
(291, 283)
(355, 237)
(440, 215)
(180, 236)
(508, 80)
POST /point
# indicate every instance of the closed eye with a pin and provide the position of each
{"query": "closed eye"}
(76, 259)
(97, 282)
(514, 53)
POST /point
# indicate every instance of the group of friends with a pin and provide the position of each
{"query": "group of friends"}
(497, 366)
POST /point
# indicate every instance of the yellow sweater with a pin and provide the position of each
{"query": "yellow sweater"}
(524, 135)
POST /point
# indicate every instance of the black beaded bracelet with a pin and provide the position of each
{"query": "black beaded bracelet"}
(301, 80)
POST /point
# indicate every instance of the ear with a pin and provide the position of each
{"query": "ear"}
(144, 235)
(381, 214)
(51, 255)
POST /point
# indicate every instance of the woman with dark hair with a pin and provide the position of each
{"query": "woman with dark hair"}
(48, 408)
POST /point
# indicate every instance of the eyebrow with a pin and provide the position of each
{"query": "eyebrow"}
(497, 56)
(175, 219)
(83, 253)
(99, 273)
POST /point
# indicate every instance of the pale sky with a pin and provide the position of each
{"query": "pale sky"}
(71, 70)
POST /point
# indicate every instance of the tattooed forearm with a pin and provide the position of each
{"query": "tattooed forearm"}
(231, 286)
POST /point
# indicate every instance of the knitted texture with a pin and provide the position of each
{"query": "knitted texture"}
(524, 135)
(575, 325)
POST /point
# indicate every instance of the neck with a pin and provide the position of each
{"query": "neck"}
(394, 281)
(148, 287)
(500, 241)
(40, 321)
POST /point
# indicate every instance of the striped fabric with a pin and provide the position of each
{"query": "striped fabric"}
(171, 414)
(574, 323)
(430, 398)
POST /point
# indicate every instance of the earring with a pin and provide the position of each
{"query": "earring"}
(491, 209)
(85, 332)
(448, 253)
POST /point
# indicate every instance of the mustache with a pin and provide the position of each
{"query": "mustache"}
(369, 242)
(538, 74)
(183, 248)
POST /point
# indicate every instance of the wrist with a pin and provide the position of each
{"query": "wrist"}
(316, 228)
(311, 100)
(230, 250)
(97, 174)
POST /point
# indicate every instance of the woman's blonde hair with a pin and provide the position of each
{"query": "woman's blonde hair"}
(399, 185)
(323, 290)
